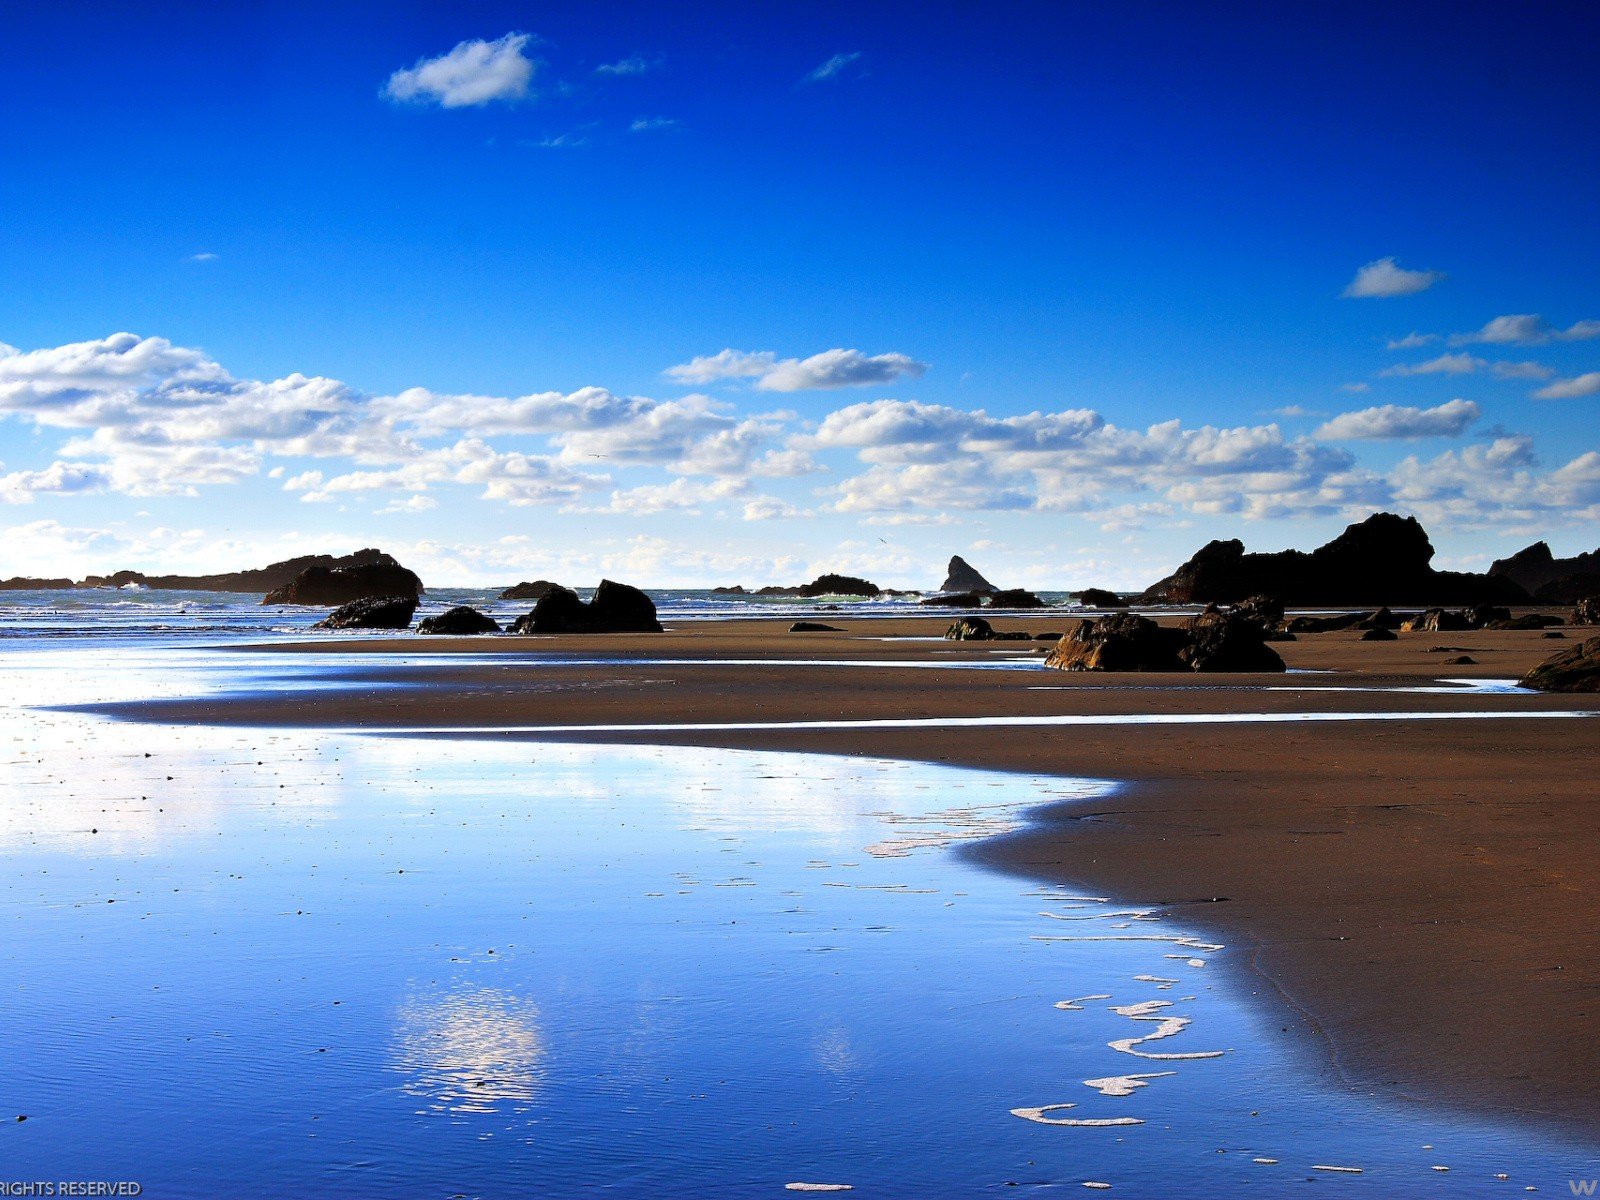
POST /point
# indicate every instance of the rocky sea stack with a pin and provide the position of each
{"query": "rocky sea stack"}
(373, 573)
(1549, 579)
(961, 576)
(1385, 559)
(616, 608)
(534, 590)
(1216, 640)
(460, 621)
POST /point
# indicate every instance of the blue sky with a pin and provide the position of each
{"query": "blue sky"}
(1060, 287)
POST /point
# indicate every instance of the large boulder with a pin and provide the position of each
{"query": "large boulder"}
(1586, 612)
(1527, 621)
(528, 590)
(1228, 641)
(460, 621)
(970, 629)
(371, 612)
(1385, 559)
(1573, 670)
(960, 576)
(1549, 579)
(1327, 624)
(376, 575)
(1268, 610)
(616, 608)
(813, 627)
(1015, 598)
(1484, 615)
(1438, 620)
(1379, 634)
(1121, 641)
(1099, 598)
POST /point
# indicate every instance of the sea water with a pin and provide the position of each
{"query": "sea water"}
(268, 962)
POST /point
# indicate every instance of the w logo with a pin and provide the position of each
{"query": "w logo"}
(1583, 1187)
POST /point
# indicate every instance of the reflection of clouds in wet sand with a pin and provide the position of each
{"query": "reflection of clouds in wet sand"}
(470, 1051)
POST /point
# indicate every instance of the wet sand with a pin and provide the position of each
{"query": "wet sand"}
(1420, 894)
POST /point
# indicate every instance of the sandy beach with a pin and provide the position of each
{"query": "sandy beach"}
(1416, 895)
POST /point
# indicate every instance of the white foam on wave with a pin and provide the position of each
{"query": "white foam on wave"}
(1165, 1027)
(1124, 1085)
(1038, 1115)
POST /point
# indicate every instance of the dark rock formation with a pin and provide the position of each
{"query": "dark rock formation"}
(371, 612)
(528, 590)
(838, 585)
(1267, 610)
(317, 585)
(954, 600)
(1461, 660)
(1585, 612)
(813, 627)
(1552, 633)
(969, 629)
(1379, 634)
(1382, 560)
(1437, 620)
(1527, 621)
(1573, 670)
(457, 622)
(1052, 636)
(24, 584)
(1327, 624)
(1384, 618)
(260, 579)
(961, 577)
(1015, 598)
(1549, 579)
(1213, 641)
(1099, 598)
(1480, 615)
(1228, 641)
(735, 590)
(1119, 642)
(616, 608)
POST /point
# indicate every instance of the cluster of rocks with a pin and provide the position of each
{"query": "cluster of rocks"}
(1216, 640)
(976, 629)
(1548, 579)
(615, 608)
(1386, 559)
(375, 576)
(270, 578)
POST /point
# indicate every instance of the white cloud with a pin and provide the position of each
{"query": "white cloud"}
(1384, 278)
(473, 74)
(1413, 341)
(1445, 364)
(204, 256)
(827, 371)
(411, 504)
(770, 508)
(836, 67)
(1527, 329)
(839, 369)
(1587, 384)
(681, 495)
(1392, 421)
(1521, 370)
(58, 479)
(653, 124)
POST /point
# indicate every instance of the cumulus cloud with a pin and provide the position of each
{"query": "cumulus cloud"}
(473, 74)
(1445, 364)
(1587, 384)
(682, 495)
(58, 479)
(1527, 329)
(1521, 370)
(1384, 278)
(836, 67)
(1393, 421)
(829, 370)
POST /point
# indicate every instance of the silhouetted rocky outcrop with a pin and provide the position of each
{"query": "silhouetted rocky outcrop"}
(813, 627)
(534, 590)
(616, 608)
(460, 621)
(838, 585)
(259, 579)
(376, 576)
(961, 576)
(1385, 559)
(25, 584)
(371, 612)
(1574, 670)
(1551, 580)
(953, 600)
